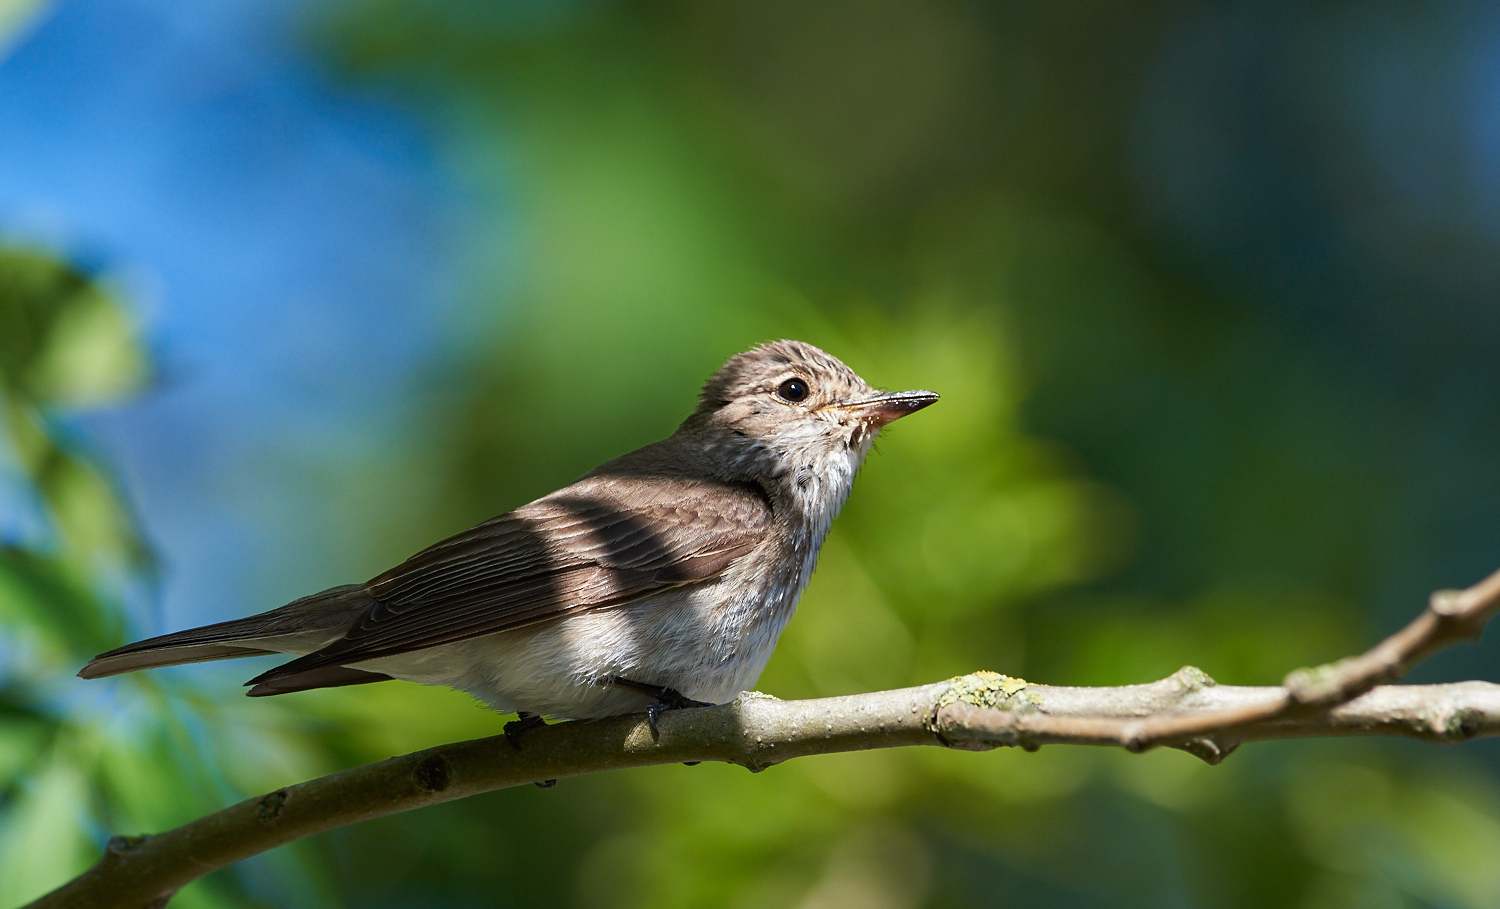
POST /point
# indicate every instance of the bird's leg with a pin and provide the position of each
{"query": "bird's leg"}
(520, 724)
(666, 698)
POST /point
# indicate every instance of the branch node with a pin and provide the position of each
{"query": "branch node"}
(1463, 724)
(1207, 749)
(121, 845)
(431, 774)
(995, 728)
(1329, 683)
(1191, 678)
(1135, 738)
(271, 805)
(1448, 603)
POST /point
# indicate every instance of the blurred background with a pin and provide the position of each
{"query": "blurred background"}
(1211, 291)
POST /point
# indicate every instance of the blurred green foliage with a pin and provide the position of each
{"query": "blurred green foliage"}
(1128, 472)
(79, 764)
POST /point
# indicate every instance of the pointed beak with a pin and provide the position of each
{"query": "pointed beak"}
(883, 409)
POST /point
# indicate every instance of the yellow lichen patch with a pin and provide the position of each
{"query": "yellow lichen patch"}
(757, 696)
(987, 689)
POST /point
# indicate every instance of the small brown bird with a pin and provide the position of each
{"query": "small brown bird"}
(662, 579)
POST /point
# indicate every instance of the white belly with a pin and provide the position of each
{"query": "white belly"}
(696, 640)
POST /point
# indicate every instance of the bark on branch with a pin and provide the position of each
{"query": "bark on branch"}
(984, 710)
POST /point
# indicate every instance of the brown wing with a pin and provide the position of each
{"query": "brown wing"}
(596, 544)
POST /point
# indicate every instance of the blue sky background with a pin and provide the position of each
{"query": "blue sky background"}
(286, 241)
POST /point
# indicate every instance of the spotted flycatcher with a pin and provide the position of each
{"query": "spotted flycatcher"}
(661, 579)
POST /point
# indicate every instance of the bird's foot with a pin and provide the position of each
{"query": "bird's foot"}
(666, 699)
(520, 724)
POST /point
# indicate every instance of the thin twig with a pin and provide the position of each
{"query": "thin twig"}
(1213, 721)
(1450, 616)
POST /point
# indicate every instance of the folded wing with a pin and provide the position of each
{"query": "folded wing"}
(586, 547)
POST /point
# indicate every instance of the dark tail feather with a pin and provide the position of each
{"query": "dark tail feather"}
(127, 660)
(326, 677)
(321, 616)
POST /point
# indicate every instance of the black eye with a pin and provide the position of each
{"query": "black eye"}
(793, 390)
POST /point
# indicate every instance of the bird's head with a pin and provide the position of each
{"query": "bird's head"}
(789, 412)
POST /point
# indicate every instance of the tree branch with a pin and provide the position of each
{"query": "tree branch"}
(1451, 616)
(1186, 710)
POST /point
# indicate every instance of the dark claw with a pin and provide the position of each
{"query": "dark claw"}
(520, 724)
(652, 712)
(545, 784)
(666, 699)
